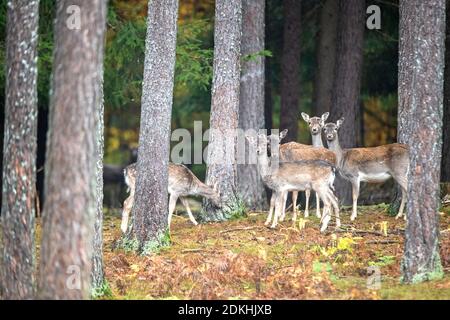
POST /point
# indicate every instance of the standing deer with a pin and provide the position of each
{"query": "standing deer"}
(315, 125)
(294, 151)
(295, 176)
(376, 164)
(182, 183)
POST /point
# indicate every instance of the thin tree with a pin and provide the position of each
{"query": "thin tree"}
(222, 149)
(347, 79)
(290, 69)
(150, 210)
(251, 105)
(19, 152)
(325, 57)
(71, 162)
(421, 79)
(445, 163)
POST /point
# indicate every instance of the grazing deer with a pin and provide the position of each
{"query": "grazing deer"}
(376, 164)
(293, 151)
(295, 176)
(315, 125)
(182, 183)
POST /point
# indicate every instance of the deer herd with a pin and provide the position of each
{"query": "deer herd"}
(296, 167)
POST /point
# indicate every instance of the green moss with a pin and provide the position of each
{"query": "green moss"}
(103, 291)
(427, 273)
(154, 246)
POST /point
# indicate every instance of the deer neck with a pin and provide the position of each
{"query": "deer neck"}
(317, 140)
(335, 146)
(263, 164)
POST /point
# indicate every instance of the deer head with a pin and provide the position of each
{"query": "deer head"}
(331, 129)
(315, 123)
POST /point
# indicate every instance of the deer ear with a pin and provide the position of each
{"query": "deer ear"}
(283, 133)
(305, 117)
(340, 122)
(251, 139)
(324, 117)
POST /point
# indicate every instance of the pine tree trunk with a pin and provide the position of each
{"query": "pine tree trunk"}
(97, 256)
(347, 79)
(421, 78)
(445, 164)
(19, 152)
(71, 168)
(326, 57)
(222, 148)
(150, 210)
(251, 106)
(290, 69)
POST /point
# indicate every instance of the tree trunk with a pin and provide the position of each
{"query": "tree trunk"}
(290, 69)
(97, 275)
(222, 148)
(445, 164)
(150, 210)
(421, 78)
(251, 105)
(326, 57)
(71, 168)
(347, 79)
(19, 153)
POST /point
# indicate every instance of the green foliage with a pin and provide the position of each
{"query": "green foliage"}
(128, 245)
(103, 291)
(154, 246)
(383, 261)
(256, 55)
(235, 208)
(322, 267)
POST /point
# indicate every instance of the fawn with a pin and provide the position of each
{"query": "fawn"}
(182, 183)
(376, 164)
(295, 176)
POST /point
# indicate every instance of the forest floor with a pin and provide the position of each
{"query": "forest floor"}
(242, 259)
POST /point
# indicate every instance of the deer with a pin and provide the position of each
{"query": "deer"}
(298, 175)
(182, 183)
(294, 151)
(315, 125)
(372, 165)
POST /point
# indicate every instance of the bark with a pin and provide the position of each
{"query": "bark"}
(347, 79)
(445, 163)
(19, 153)
(150, 210)
(268, 103)
(251, 105)
(421, 78)
(326, 57)
(222, 148)
(290, 69)
(71, 167)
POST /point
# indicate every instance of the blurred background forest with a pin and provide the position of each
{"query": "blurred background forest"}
(124, 59)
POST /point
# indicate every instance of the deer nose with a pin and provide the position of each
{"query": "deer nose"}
(315, 130)
(329, 136)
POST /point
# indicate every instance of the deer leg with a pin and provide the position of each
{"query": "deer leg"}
(172, 203)
(278, 208)
(283, 210)
(307, 195)
(127, 206)
(185, 203)
(335, 205)
(402, 205)
(355, 194)
(317, 205)
(294, 205)
(271, 209)
(326, 216)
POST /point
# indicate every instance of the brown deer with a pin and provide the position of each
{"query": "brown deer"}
(293, 151)
(182, 183)
(376, 164)
(295, 176)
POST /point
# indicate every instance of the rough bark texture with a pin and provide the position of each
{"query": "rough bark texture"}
(150, 210)
(71, 168)
(222, 148)
(251, 107)
(19, 153)
(290, 69)
(97, 255)
(326, 57)
(445, 163)
(421, 78)
(347, 79)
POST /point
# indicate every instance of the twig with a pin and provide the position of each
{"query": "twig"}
(381, 241)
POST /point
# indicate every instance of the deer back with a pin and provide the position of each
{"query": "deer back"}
(304, 152)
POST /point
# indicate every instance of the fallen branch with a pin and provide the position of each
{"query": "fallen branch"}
(193, 250)
(239, 229)
(382, 242)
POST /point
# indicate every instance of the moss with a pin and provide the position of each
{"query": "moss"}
(103, 291)
(162, 240)
(425, 274)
